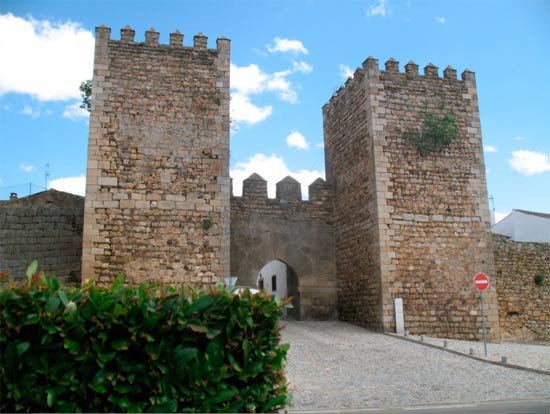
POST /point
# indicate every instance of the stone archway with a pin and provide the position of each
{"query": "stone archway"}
(280, 279)
(305, 246)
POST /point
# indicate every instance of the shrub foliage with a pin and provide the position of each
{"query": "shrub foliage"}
(138, 348)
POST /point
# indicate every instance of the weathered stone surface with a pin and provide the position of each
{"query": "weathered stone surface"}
(158, 165)
(46, 226)
(524, 311)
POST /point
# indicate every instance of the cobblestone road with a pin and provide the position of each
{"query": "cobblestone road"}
(334, 365)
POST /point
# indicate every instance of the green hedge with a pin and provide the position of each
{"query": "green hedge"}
(142, 348)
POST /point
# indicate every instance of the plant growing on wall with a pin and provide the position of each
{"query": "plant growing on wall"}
(206, 223)
(539, 280)
(438, 131)
(86, 95)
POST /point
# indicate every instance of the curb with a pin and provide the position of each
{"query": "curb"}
(502, 364)
(441, 408)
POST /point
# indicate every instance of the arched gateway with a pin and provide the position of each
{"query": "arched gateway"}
(295, 232)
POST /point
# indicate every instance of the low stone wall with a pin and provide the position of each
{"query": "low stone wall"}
(46, 226)
(524, 306)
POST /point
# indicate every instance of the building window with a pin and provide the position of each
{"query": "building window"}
(274, 283)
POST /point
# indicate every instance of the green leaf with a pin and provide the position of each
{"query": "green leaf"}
(121, 344)
(70, 310)
(72, 346)
(182, 355)
(234, 363)
(152, 350)
(106, 356)
(50, 400)
(52, 304)
(12, 360)
(119, 281)
(123, 388)
(53, 283)
(235, 407)
(202, 303)
(198, 328)
(22, 347)
(63, 297)
(31, 270)
(170, 406)
(223, 396)
(211, 333)
(277, 401)
(246, 346)
(148, 337)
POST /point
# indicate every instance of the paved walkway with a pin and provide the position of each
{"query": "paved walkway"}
(334, 365)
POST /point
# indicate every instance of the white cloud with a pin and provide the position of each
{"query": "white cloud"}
(248, 80)
(346, 72)
(242, 110)
(6, 107)
(287, 46)
(378, 9)
(75, 112)
(281, 85)
(519, 138)
(251, 80)
(273, 169)
(56, 58)
(490, 148)
(74, 185)
(28, 110)
(441, 19)
(297, 140)
(320, 145)
(302, 66)
(530, 162)
(26, 168)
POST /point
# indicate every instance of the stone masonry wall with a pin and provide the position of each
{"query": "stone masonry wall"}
(426, 216)
(436, 226)
(46, 226)
(524, 311)
(157, 190)
(349, 163)
(299, 233)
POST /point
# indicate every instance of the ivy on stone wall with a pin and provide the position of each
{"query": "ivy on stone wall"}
(438, 131)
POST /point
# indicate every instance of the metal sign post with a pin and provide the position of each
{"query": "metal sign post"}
(483, 324)
(481, 283)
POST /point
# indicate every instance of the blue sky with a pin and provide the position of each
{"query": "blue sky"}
(288, 57)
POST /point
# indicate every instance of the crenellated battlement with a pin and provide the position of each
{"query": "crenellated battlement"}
(370, 69)
(127, 35)
(288, 203)
(287, 190)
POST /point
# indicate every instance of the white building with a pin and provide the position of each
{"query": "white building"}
(525, 226)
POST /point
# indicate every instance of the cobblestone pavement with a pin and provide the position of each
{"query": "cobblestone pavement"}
(334, 365)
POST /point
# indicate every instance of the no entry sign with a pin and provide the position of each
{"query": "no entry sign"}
(481, 282)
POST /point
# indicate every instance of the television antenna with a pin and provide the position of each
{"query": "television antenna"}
(46, 176)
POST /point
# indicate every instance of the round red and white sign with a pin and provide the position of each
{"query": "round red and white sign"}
(481, 282)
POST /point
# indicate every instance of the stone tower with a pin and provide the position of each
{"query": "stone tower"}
(157, 188)
(407, 225)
